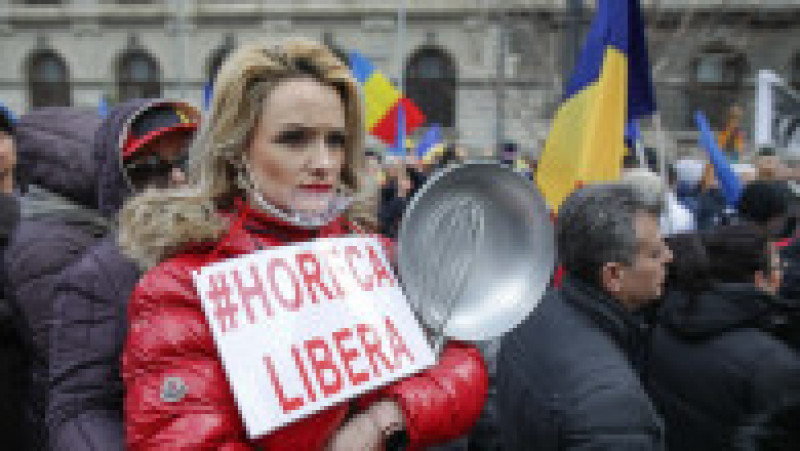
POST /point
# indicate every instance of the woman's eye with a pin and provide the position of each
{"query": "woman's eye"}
(292, 137)
(336, 140)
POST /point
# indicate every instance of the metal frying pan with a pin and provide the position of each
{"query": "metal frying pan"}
(475, 251)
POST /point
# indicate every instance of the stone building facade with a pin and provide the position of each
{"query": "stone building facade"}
(488, 70)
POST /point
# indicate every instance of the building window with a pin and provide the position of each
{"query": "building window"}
(48, 80)
(717, 83)
(430, 78)
(795, 72)
(41, 2)
(719, 68)
(138, 76)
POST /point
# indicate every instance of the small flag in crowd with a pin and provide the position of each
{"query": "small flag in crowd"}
(727, 180)
(731, 140)
(429, 141)
(610, 86)
(383, 102)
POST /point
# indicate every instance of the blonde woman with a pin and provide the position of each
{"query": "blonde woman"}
(277, 162)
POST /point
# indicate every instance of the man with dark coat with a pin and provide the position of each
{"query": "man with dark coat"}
(141, 143)
(12, 358)
(568, 378)
(57, 223)
(717, 366)
(767, 205)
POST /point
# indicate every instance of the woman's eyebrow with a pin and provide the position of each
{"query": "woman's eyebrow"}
(306, 127)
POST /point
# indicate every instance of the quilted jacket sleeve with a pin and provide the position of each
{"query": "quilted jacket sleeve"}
(176, 393)
(83, 380)
(445, 400)
(84, 402)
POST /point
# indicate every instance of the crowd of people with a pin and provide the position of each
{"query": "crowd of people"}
(672, 322)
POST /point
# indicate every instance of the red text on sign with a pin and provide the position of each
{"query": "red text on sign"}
(331, 368)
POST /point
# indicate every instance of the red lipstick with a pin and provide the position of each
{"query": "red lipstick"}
(317, 187)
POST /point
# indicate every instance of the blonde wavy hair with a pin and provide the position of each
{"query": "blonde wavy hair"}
(156, 223)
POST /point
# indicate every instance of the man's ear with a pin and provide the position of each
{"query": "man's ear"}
(611, 277)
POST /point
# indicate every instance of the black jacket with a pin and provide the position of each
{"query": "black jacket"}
(790, 293)
(790, 285)
(712, 366)
(567, 377)
(711, 209)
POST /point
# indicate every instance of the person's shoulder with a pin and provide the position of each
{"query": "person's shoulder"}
(554, 335)
(746, 343)
(743, 354)
(540, 319)
(38, 231)
(179, 267)
(38, 248)
(101, 261)
(556, 317)
(170, 281)
(589, 375)
(765, 351)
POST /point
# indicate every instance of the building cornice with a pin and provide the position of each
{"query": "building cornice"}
(214, 11)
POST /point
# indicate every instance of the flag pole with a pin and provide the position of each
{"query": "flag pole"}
(661, 145)
(401, 36)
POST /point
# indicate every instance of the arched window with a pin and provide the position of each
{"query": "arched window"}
(430, 78)
(48, 80)
(717, 82)
(138, 76)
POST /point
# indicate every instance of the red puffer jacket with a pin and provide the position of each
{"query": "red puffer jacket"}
(169, 340)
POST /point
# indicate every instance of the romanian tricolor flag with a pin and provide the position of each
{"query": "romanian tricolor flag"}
(610, 86)
(383, 102)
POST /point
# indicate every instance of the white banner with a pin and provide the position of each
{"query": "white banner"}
(301, 328)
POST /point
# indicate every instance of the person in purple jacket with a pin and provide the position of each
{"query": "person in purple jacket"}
(142, 143)
(57, 221)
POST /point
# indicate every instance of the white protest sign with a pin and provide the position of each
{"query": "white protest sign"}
(301, 328)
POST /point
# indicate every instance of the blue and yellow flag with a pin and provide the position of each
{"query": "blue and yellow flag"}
(610, 86)
(429, 141)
